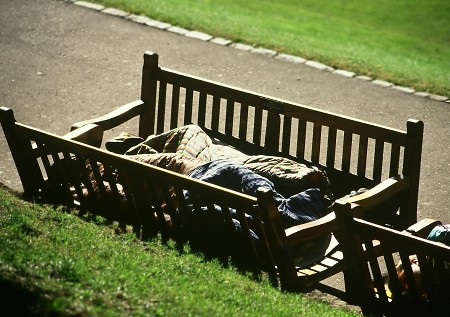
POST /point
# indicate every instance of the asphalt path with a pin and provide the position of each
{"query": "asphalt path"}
(61, 63)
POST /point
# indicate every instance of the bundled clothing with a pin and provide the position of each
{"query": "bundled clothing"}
(190, 151)
(299, 208)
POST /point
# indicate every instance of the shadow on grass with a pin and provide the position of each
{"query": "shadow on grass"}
(19, 300)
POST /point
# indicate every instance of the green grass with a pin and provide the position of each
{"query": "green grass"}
(59, 264)
(405, 41)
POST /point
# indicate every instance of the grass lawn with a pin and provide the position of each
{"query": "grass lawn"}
(54, 263)
(406, 42)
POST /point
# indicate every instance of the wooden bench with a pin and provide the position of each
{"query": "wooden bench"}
(420, 286)
(75, 171)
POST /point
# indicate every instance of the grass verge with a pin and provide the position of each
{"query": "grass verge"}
(405, 42)
(56, 263)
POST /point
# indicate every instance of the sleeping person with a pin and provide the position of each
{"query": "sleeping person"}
(304, 194)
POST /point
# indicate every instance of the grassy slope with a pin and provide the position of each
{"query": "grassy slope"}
(406, 42)
(55, 263)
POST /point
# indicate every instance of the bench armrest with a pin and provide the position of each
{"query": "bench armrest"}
(310, 230)
(90, 134)
(317, 228)
(115, 117)
(380, 193)
(423, 227)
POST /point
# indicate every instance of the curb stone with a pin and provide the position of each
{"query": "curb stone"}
(318, 65)
(363, 77)
(404, 89)
(220, 41)
(158, 24)
(264, 51)
(344, 73)
(438, 97)
(259, 50)
(89, 5)
(178, 30)
(421, 94)
(291, 58)
(199, 35)
(116, 12)
(242, 47)
(382, 83)
(138, 18)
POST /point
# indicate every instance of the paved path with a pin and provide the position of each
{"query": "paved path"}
(60, 63)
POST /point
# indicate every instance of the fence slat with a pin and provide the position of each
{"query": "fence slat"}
(301, 139)
(161, 107)
(378, 160)
(362, 155)
(229, 117)
(316, 140)
(175, 106)
(395, 160)
(243, 122)
(287, 130)
(215, 116)
(347, 151)
(188, 106)
(202, 109)
(331, 147)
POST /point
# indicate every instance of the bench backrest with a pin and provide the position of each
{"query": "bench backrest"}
(150, 199)
(374, 278)
(354, 153)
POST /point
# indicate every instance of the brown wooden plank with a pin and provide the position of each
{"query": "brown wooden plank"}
(410, 279)
(111, 179)
(188, 106)
(62, 176)
(260, 229)
(72, 173)
(272, 136)
(289, 108)
(257, 126)
(214, 192)
(161, 107)
(246, 232)
(157, 203)
(98, 177)
(86, 176)
(362, 155)
(144, 208)
(45, 161)
(132, 216)
(316, 143)
(287, 130)
(331, 147)
(243, 122)
(229, 117)
(375, 268)
(347, 151)
(394, 283)
(149, 88)
(301, 139)
(378, 160)
(175, 107)
(215, 117)
(202, 109)
(394, 163)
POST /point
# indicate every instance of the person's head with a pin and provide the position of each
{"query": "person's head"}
(414, 263)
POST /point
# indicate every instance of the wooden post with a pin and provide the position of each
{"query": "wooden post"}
(276, 238)
(411, 169)
(356, 272)
(21, 153)
(148, 94)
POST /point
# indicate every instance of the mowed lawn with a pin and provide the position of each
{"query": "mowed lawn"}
(406, 42)
(54, 263)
